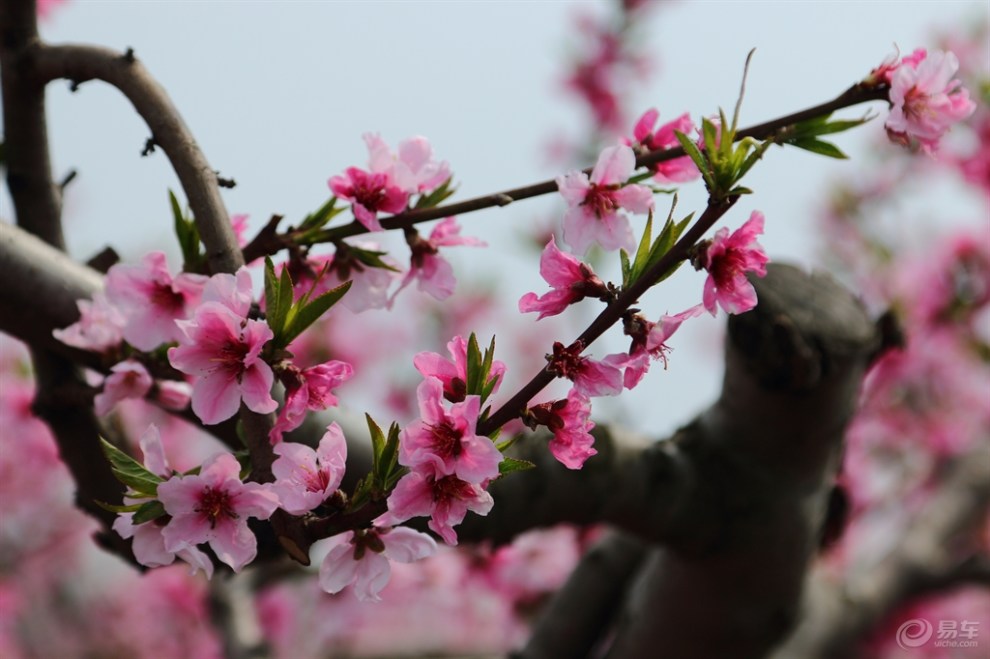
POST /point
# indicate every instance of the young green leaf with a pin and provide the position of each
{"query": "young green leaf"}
(820, 147)
(509, 465)
(148, 511)
(302, 316)
(129, 471)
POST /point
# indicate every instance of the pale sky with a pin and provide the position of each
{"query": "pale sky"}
(279, 93)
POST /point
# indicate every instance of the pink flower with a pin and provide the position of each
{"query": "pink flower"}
(214, 506)
(445, 499)
(412, 169)
(453, 374)
(889, 66)
(728, 258)
(223, 351)
(571, 280)
(678, 170)
(362, 558)
(236, 291)
(172, 394)
(239, 223)
(129, 379)
(149, 544)
(304, 478)
(369, 194)
(593, 215)
(590, 377)
(434, 273)
(314, 391)
(570, 422)
(649, 343)
(100, 326)
(369, 285)
(152, 300)
(446, 443)
(926, 101)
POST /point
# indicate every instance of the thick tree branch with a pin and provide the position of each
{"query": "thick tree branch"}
(738, 497)
(198, 178)
(934, 554)
(61, 399)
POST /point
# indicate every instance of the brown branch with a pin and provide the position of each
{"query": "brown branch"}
(934, 554)
(738, 497)
(271, 243)
(127, 74)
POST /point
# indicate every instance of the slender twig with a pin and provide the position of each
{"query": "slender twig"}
(198, 178)
(767, 130)
(611, 314)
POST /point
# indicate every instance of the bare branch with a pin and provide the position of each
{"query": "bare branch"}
(198, 178)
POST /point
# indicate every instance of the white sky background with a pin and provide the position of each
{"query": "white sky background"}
(279, 93)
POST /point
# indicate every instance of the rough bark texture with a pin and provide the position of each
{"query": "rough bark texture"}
(737, 499)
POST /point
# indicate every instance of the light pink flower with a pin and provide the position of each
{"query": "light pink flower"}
(369, 194)
(314, 391)
(304, 478)
(445, 443)
(590, 377)
(151, 299)
(889, 66)
(926, 101)
(593, 214)
(100, 326)
(214, 506)
(223, 351)
(434, 274)
(678, 170)
(129, 379)
(149, 544)
(362, 558)
(453, 374)
(172, 394)
(446, 500)
(570, 279)
(727, 259)
(369, 285)
(236, 291)
(412, 169)
(649, 344)
(239, 223)
(570, 422)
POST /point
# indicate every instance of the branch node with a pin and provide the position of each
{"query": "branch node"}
(68, 178)
(503, 199)
(128, 56)
(225, 182)
(149, 147)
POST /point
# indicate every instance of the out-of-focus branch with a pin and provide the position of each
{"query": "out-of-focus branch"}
(931, 556)
(576, 618)
(34, 271)
(199, 180)
(61, 399)
(738, 497)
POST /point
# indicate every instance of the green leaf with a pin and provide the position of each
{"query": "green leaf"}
(306, 314)
(751, 160)
(819, 147)
(128, 508)
(389, 458)
(129, 471)
(371, 258)
(474, 372)
(320, 217)
(438, 196)
(486, 370)
(626, 269)
(692, 150)
(187, 234)
(503, 446)
(509, 465)
(377, 441)
(362, 493)
(148, 511)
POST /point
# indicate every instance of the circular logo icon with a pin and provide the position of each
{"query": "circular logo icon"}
(914, 633)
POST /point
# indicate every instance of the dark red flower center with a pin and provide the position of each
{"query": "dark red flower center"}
(215, 504)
